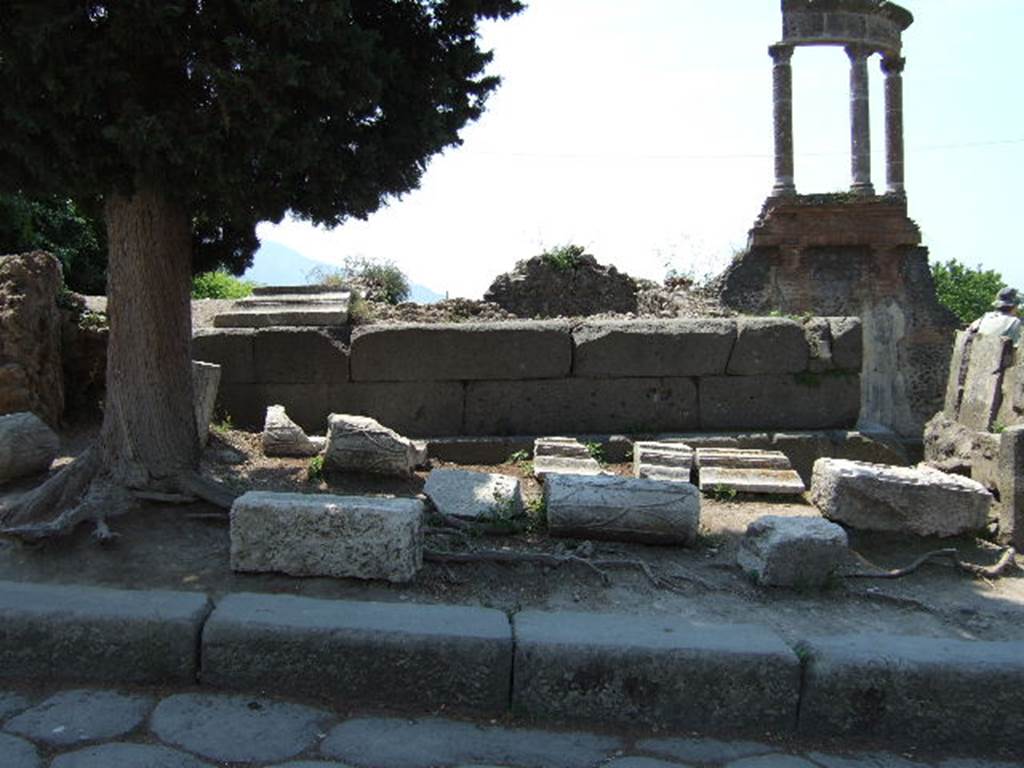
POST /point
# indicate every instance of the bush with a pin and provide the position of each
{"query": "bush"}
(966, 292)
(376, 280)
(563, 258)
(219, 285)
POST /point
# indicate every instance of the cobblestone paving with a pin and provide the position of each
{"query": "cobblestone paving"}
(94, 728)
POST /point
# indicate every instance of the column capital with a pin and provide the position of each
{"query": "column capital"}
(893, 65)
(781, 53)
(858, 53)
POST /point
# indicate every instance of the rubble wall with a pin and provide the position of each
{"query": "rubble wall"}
(546, 377)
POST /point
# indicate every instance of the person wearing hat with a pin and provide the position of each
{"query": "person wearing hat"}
(1003, 320)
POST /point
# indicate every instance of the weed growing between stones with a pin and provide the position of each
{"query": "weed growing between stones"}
(596, 451)
(522, 460)
(721, 492)
(563, 257)
(315, 470)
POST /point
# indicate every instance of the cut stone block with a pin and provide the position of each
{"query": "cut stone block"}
(624, 348)
(752, 480)
(957, 373)
(847, 343)
(562, 456)
(780, 401)
(989, 357)
(205, 384)
(768, 345)
(741, 458)
(283, 437)
(27, 446)
(299, 356)
(461, 351)
(918, 500)
(622, 509)
(233, 349)
(647, 670)
(362, 653)
(323, 309)
(792, 551)
(906, 690)
(322, 535)
(474, 495)
(362, 444)
(662, 461)
(411, 408)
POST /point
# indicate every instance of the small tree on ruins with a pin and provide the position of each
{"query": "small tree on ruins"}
(194, 121)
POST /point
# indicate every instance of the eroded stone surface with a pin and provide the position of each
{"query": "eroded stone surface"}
(918, 500)
(362, 444)
(322, 535)
(752, 480)
(128, 756)
(18, 753)
(741, 457)
(237, 728)
(283, 437)
(74, 717)
(792, 551)
(474, 495)
(703, 750)
(562, 456)
(12, 703)
(662, 461)
(205, 383)
(27, 446)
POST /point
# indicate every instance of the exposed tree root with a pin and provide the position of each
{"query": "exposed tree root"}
(1007, 562)
(81, 492)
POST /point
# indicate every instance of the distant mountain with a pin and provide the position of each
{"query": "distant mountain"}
(275, 264)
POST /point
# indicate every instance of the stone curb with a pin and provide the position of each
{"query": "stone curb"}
(51, 633)
(550, 666)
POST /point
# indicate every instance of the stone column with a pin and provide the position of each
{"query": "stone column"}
(782, 96)
(892, 66)
(860, 121)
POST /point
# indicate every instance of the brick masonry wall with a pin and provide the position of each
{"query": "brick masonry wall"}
(547, 377)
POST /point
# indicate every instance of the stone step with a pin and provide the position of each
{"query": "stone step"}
(319, 317)
(293, 299)
(751, 480)
(296, 290)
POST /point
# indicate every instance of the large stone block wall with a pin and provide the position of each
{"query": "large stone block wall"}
(546, 377)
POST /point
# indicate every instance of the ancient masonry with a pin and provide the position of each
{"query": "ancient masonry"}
(854, 253)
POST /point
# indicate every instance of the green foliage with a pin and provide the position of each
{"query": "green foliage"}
(61, 227)
(721, 492)
(522, 460)
(219, 285)
(375, 279)
(315, 470)
(224, 424)
(967, 292)
(563, 258)
(238, 112)
(537, 512)
(596, 451)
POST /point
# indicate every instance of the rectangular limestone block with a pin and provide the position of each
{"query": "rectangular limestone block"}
(625, 348)
(847, 343)
(653, 670)
(268, 311)
(580, 405)
(354, 653)
(752, 480)
(957, 374)
(232, 349)
(562, 456)
(989, 357)
(299, 356)
(768, 345)
(411, 408)
(461, 351)
(1010, 480)
(205, 383)
(55, 633)
(904, 690)
(738, 458)
(784, 401)
(622, 509)
(662, 461)
(321, 535)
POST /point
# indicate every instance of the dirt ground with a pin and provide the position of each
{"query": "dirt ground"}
(185, 547)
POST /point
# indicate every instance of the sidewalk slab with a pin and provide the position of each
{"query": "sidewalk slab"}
(914, 690)
(664, 671)
(361, 653)
(56, 633)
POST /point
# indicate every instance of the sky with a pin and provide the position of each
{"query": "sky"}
(642, 130)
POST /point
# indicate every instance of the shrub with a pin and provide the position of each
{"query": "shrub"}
(377, 280)
(563, 258)
(966, 292)
(219, 285)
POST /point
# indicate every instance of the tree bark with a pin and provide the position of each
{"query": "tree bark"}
(149, 432)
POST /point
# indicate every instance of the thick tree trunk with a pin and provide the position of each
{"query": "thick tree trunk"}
(149, 431)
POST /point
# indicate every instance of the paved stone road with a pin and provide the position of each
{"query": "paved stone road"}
(95, 728)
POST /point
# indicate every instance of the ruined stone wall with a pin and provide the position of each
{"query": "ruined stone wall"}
(830, 254)
(547, 377)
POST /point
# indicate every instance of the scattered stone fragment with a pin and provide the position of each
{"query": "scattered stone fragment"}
(73, 717)
(322, 535)
(205, 383)
(792, 551)
(562, 456)
(662, 461)
(127, 756)
(27, 446)
(622, 509)
(325, 308)
(401, 743)
(918, 500)
(362, 444)
(283, 437)
(753, 480)
(474, 495)
(737, 458)
(236, 729)
(990, 356)
(18, 753)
